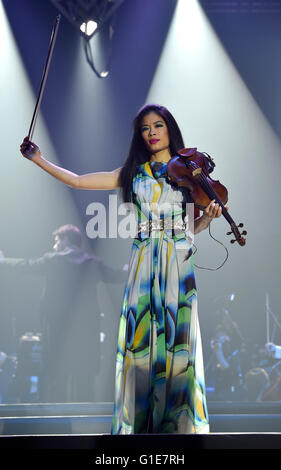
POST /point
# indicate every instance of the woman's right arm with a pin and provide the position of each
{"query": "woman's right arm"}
(100, 180)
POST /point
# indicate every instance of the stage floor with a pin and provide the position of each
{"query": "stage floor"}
(95, 418)
(87, 426)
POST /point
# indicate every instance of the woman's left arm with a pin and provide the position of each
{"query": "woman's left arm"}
(212, 211)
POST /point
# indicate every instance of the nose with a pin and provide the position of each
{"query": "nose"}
(151, 131)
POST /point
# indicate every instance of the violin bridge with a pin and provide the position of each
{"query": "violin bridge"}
(197, 171)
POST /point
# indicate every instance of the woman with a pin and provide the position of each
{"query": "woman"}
(160, 385)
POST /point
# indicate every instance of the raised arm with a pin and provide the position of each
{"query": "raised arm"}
(100, 181)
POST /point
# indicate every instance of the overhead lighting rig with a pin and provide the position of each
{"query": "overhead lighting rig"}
(88, 17)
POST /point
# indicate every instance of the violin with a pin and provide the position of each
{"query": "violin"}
(191, 169)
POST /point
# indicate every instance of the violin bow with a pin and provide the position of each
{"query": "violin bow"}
(45, 74)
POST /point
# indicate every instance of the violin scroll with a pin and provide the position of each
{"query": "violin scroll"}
(238, 238)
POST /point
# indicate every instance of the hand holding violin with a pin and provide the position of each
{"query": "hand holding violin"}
(213, 210)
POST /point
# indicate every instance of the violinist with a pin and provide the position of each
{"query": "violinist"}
(160, 385)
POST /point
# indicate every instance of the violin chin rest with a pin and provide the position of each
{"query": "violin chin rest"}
(187, 152)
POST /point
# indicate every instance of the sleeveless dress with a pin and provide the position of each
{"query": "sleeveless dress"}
(159, 382)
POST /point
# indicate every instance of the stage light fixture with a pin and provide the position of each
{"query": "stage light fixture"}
(83, 12)
(89, 27)
(89, 17)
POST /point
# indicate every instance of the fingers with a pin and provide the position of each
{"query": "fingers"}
(28, 148)
(214, 209)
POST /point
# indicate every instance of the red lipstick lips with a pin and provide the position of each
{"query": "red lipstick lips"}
(153, 141)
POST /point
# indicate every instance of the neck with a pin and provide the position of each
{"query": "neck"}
(161, 156)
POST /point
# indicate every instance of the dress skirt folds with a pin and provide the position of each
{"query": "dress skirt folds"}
(159, 383)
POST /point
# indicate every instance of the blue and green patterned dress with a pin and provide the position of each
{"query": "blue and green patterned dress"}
(160, 385)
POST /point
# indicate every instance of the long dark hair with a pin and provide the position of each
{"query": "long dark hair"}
(138, 152)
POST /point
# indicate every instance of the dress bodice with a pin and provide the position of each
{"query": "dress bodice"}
(155, 197)
(152, 191)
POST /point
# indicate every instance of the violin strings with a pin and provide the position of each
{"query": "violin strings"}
(212, 194)
(209, 190)
(206, 185)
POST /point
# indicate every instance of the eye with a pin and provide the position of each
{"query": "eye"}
(146, 128)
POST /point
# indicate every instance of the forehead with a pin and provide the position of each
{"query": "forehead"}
(151, 117)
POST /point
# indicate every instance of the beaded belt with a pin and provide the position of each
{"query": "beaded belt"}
(161, 224)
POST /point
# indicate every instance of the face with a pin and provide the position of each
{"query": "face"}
(155, 133)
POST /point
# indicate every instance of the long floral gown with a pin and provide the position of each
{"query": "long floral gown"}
(160, 385)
